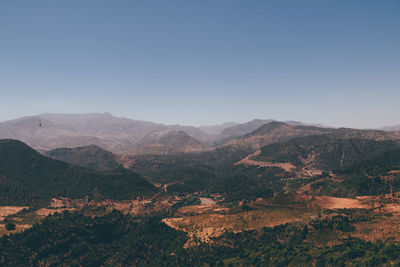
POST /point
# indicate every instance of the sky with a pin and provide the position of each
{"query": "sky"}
(335, 62)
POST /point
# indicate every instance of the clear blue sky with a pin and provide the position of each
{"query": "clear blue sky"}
(335, 62)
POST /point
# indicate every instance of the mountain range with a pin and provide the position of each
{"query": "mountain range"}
(46, 132)
(391, 128)
(309, 184)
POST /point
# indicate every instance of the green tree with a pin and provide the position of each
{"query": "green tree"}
(10, 226)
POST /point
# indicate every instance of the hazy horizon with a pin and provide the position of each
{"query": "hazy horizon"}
(335, 63)
(194, 125)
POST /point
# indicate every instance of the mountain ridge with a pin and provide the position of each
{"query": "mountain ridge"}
(119, 135)
(28, 177)
(91, 157)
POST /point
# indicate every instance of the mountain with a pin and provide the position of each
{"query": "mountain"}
(299, 123)
(391, 128)
(182, 140)
(5, 132)
(91, 157)
(244, 128)
(382, 164)
(103, 125)
(27, 177)
(119, 135)
(248, 127)
(191, 131)
(125, 136)
(49, 131)
(216, 129)
(275, 132)
(169, 143)
(323, 152)
(378, 135)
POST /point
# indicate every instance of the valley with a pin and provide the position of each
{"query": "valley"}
(316, 189)
(200, 133)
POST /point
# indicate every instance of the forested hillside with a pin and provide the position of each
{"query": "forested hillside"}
(91, 157)
(27, 176)
(324, 152)
(117, 240)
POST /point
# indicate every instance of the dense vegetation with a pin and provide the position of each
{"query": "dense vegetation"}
(118, 240)
(324, 152)
(373, 176)
(76, 240)
(27, 177)
(376, 175)
(213, 172)
(283, 152)
(377, 165)
(358, 167)
(359, 163)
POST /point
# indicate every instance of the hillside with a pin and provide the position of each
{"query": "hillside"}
(170, 143)
(243, 128)
(275, 132)
(391, 128)
(216, 129)
(378, 175)
(181, 140)
(211, 209)
(50, 131)
(119, 135)
(28, 177)
(387, 163)
(91, 157)
(126, 136)
(248, 127)
(323, 152)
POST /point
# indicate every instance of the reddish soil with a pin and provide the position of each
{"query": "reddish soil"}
(339, 203)
(9, 210)
(247, 161)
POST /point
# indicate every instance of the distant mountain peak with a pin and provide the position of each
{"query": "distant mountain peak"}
(391, 128)
(244, 128)
(180, 139)
(176, 133)
(268, 127)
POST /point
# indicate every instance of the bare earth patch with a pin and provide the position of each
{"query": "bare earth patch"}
(9, 210)
(18, 228)
(201, 209)
(203, 227)
(326, 202)
(392, 208)
(206, 201)
(247, 161)
(47, 212)
(203, 222)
